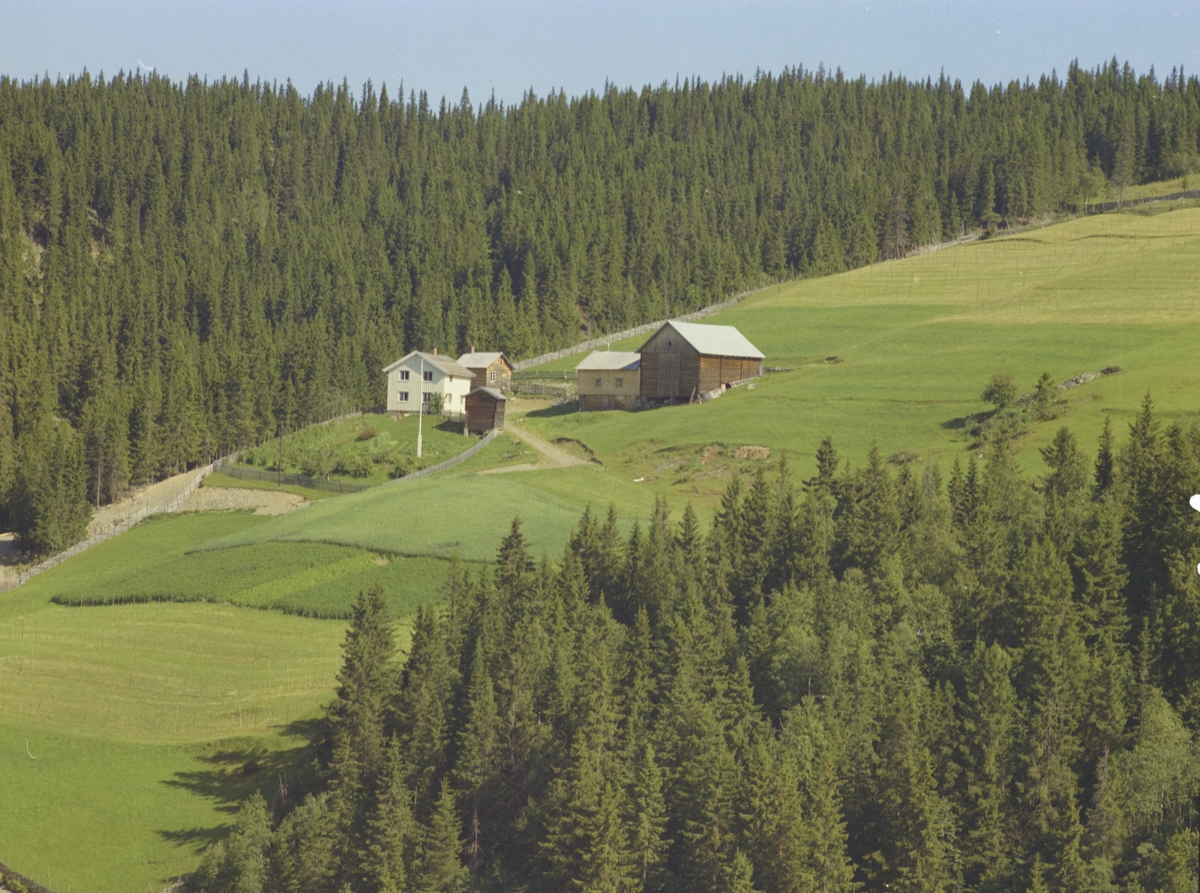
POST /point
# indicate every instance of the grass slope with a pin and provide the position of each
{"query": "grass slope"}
(369, 448)
(127, 712)
(156, 561)
(436, 516)
(103, 814)
(918, 339)
(147, 723)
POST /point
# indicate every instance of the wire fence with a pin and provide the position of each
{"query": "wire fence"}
(1102, 207)
(242, 472)
(96, 538)
(537, 389)
(644, 329)
(454, 460)
(545, 375)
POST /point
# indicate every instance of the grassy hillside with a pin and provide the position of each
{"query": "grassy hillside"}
(916, 341)
(370, 448)
(135, 718)
(157, 561)
(895, 355)
(436, 516)
(147, 723)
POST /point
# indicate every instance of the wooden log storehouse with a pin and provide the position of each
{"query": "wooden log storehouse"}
(684, 360)
(485, 411)
(491, 370)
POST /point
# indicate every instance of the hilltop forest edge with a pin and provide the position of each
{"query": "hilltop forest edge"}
(187, 268)
(874, 681)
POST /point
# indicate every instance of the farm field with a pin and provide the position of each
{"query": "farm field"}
(158, 561)
(216, 479)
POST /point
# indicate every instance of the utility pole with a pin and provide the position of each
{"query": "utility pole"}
(420, 406)
(279, 467)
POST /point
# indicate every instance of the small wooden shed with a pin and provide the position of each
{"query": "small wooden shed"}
(683, 360)
(491, 370)
(609, 379)
(485, 411)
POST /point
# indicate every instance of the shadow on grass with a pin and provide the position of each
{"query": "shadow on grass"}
(559, 409)
(227, 777)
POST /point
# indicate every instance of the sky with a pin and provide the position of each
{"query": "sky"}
(511, 47)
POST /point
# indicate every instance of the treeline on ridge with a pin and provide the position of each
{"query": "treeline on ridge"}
(184, 268)
(875, 681)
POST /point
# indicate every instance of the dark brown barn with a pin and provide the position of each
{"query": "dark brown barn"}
(683, 360)
(485, 410)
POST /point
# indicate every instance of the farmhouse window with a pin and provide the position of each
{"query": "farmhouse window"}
(428, 375)
(492, 375)
(425, 397)
(404, 375)
(404, 396)
(599, 382)
(620, 382)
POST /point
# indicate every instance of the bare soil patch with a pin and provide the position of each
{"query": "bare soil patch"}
(264, 502)
(138, 500)
(752, 452)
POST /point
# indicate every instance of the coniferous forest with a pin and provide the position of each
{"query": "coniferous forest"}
(870, 680)
(186, 268)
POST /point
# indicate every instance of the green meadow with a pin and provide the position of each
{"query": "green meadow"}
(158, 561)
(439, 516)
(131, 725)
(129, 732)
(897, 354)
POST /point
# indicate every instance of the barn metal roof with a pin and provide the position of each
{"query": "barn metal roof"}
(717, 341)
(490, 392)
(445, 364)
(480, 359)
(610, 360)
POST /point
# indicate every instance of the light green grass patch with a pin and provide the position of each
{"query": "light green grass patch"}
(90, 813)
(1159, 188)
(438, 516)
(118, 705)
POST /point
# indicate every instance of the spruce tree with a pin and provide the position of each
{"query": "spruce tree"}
(437, 864)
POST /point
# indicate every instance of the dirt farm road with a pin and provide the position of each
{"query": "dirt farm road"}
(555, 457)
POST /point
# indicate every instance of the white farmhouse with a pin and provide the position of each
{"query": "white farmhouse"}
(414, 377)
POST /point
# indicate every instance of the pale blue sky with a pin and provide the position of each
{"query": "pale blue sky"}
(509, 47)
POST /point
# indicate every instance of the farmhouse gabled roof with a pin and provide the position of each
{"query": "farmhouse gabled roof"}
(480, 359)
(610, 360)
(445, 364)
(491, 392)
(716, 341)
